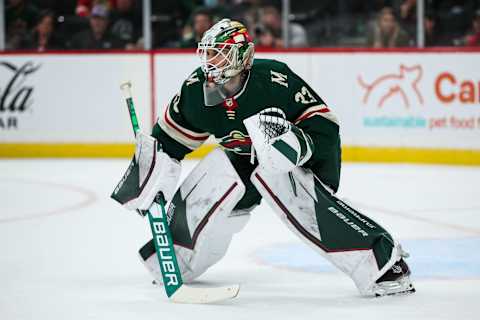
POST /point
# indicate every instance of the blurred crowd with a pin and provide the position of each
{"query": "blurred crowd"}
(41, 25)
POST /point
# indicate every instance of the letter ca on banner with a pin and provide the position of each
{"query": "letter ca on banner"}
(15, 95)
(451, 89)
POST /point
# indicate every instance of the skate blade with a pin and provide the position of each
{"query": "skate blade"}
(400, 293)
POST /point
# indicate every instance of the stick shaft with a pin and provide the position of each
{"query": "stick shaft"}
(127, 93)
(157, 218)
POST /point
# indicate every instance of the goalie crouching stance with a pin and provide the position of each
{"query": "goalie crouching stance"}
(280, 143)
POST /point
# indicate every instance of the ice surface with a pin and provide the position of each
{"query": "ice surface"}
(67, 251)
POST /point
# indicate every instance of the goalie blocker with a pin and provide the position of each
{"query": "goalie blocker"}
(151, 171)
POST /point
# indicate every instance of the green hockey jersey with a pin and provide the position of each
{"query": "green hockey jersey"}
(186, 122)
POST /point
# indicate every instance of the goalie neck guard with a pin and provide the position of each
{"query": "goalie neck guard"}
(225, 50)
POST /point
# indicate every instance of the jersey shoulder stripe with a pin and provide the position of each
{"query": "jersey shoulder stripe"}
(176, 131)
(173, 121)
(318, 110)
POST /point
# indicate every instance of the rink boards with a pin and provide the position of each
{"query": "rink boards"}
(412, 106)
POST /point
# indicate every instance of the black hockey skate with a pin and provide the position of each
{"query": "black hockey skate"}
(395, 281)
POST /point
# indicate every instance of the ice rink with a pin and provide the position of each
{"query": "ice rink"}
(67, 251)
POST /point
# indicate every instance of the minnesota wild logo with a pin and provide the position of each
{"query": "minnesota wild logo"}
(237, 142)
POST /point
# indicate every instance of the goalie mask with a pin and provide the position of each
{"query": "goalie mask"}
(225, 50)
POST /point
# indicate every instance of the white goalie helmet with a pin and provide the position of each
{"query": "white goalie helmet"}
(225, 50)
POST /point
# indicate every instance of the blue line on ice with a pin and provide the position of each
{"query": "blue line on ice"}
(429, 258)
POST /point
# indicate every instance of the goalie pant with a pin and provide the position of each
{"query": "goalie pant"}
(203, 218)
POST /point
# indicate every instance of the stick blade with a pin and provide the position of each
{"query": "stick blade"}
(186, 294)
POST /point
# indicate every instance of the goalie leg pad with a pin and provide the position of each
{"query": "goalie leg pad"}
(355, 244)
(201, 218)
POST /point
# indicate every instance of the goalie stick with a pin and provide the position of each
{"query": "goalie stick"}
(172, 278)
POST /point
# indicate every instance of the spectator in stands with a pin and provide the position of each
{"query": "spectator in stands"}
(473, 38)
(265, 38)
(84, 7)
(407, 8)
(270, 19)
(453, 18)
(43, 37)
(97, 37)
(20, 17)
(202, 20)
(126, 22)
(168, 19)
(60, 8)
(407, 15)
(219, 9)
(246, 11)
(386, 32)
(432, 36)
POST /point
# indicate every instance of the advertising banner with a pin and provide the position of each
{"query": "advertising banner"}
(428, 100)
(70, 98)
(410, 100)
